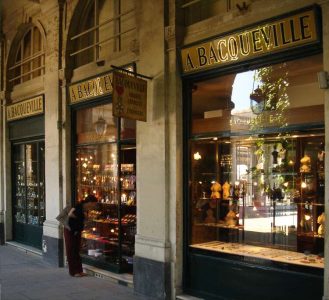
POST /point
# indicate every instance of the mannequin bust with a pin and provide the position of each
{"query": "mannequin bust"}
(226, 190)
(215, 190)
(321, 220)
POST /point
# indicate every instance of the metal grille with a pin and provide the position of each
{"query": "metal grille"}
(90, 41)
(30, 58)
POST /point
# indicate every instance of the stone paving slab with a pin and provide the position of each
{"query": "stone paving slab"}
(25, 276)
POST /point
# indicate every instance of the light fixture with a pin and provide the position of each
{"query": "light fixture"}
(304, 185)
(307, 216)
(257, 101)
(100, 126)
(197, 156)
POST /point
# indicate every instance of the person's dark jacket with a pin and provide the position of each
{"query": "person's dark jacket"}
(76, 223)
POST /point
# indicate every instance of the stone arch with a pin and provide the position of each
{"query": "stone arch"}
(80, 11)
(22, 30)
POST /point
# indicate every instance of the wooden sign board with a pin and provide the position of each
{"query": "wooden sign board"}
(129, 97)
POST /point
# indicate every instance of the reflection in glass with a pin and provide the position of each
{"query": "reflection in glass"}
(256, 163)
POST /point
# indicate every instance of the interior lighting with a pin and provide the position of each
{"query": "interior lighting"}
(197, 156)
(100, 126)
(307, 217)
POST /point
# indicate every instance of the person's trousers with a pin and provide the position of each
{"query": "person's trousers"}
(72, 246)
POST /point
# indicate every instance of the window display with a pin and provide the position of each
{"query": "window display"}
(29, 187)
(107, 169)
(257, 164)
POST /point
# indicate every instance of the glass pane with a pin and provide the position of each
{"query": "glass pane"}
(26, 54)
(32, 195)
(128, 129)
(128, 202)
(256, 161)
(96, 124)
(88, 38)
(274, 98)
(29, 183)
(97, 173)
(20, 188)
(42, 200)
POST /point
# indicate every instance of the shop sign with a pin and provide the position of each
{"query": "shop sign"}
(95, 87)
(26, 108)
(294, 31)
(129, 96)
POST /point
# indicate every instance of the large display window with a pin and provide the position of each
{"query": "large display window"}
(256, 180)
(105, 165)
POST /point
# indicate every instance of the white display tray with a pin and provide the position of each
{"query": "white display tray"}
(263, 253)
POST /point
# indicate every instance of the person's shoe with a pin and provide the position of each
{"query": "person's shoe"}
(83, 274)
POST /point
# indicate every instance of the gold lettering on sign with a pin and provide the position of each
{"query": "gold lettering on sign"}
(294, 31)
(95, 87)
(129, 97)
(26, 108)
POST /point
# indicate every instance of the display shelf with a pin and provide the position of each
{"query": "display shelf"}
(238, 227)
(273, 254)
(29, 184)
(272, 197)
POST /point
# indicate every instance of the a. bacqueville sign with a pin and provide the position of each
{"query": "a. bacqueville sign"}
(130, 103)
(25, 108)
(292, 31)
(88, 89)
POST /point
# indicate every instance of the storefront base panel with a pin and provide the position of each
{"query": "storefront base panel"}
(2, 234)
(53, 250)
(28, 234)
(152, 278)
(220, 278)
(107, 265)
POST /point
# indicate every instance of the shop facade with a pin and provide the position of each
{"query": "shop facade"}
(28, 170)
(104, 164)
(254, 160)
(223, 185)
(86, 149)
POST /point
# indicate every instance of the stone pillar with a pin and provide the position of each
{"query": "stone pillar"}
(2, 202)
(52, 243)
(2, 115)
(152, 245)
(325, 30)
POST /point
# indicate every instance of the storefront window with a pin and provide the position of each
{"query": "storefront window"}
(30, 58)
(257, 164)
(106, 167)
(29, 192)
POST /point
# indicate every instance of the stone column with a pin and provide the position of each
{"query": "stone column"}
(2, 200)
(52, 242)
(325, 29)
(2, 118)
(152, 245)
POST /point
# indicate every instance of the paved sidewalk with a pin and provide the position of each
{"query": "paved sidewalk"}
(26, 276)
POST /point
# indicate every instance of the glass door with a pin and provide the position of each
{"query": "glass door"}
(28, 192)
(105, 166)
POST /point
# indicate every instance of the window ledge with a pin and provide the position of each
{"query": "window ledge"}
(27, 89)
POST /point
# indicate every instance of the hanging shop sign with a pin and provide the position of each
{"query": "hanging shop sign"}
(129, 96)
(293, 31)
(95, 87)
(26, 108)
